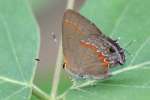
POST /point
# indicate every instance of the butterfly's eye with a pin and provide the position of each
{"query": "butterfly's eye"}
(111, 50)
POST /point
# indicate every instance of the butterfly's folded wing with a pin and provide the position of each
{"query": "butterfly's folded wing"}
(80, 23)
(80, 60)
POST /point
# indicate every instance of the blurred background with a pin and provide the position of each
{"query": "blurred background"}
(49, 15)
(124, 19)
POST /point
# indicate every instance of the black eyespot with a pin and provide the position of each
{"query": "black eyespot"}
(111, 50)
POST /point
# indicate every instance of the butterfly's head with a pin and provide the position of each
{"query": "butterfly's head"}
(116, 54)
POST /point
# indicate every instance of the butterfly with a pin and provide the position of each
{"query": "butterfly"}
(88, 53)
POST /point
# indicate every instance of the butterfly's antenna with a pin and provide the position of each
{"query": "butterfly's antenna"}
(127, 52)
(128, 45)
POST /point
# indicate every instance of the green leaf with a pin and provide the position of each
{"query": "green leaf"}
(19, 45)
(128, 20)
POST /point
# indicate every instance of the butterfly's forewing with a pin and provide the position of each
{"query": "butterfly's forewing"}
(81, 23)
(80, 60)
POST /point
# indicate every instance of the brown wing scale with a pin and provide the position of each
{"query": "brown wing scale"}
(80, 60)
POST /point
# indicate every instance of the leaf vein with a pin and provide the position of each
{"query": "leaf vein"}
(139, 50)
(14, 93)
(118, 21)
(124, 85)
(12, 46)
(13, 81)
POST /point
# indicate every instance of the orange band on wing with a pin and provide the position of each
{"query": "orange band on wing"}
(101, 56)
(69, 23)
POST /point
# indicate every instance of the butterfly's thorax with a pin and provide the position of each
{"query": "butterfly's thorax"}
(87, 52)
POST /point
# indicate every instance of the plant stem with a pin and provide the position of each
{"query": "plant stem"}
(70, 4)
(57, 72)
(91, 82)
(129, 68)
(39, 93)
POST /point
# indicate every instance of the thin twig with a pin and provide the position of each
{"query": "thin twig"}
(57, 72)
(70, 5)
(90, 82)
(111, 74)
(39, 93)
(129, 68)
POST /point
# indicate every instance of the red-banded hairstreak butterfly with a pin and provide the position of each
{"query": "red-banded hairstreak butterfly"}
(88, 53)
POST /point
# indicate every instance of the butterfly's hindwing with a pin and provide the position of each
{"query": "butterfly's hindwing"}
(88, 53)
